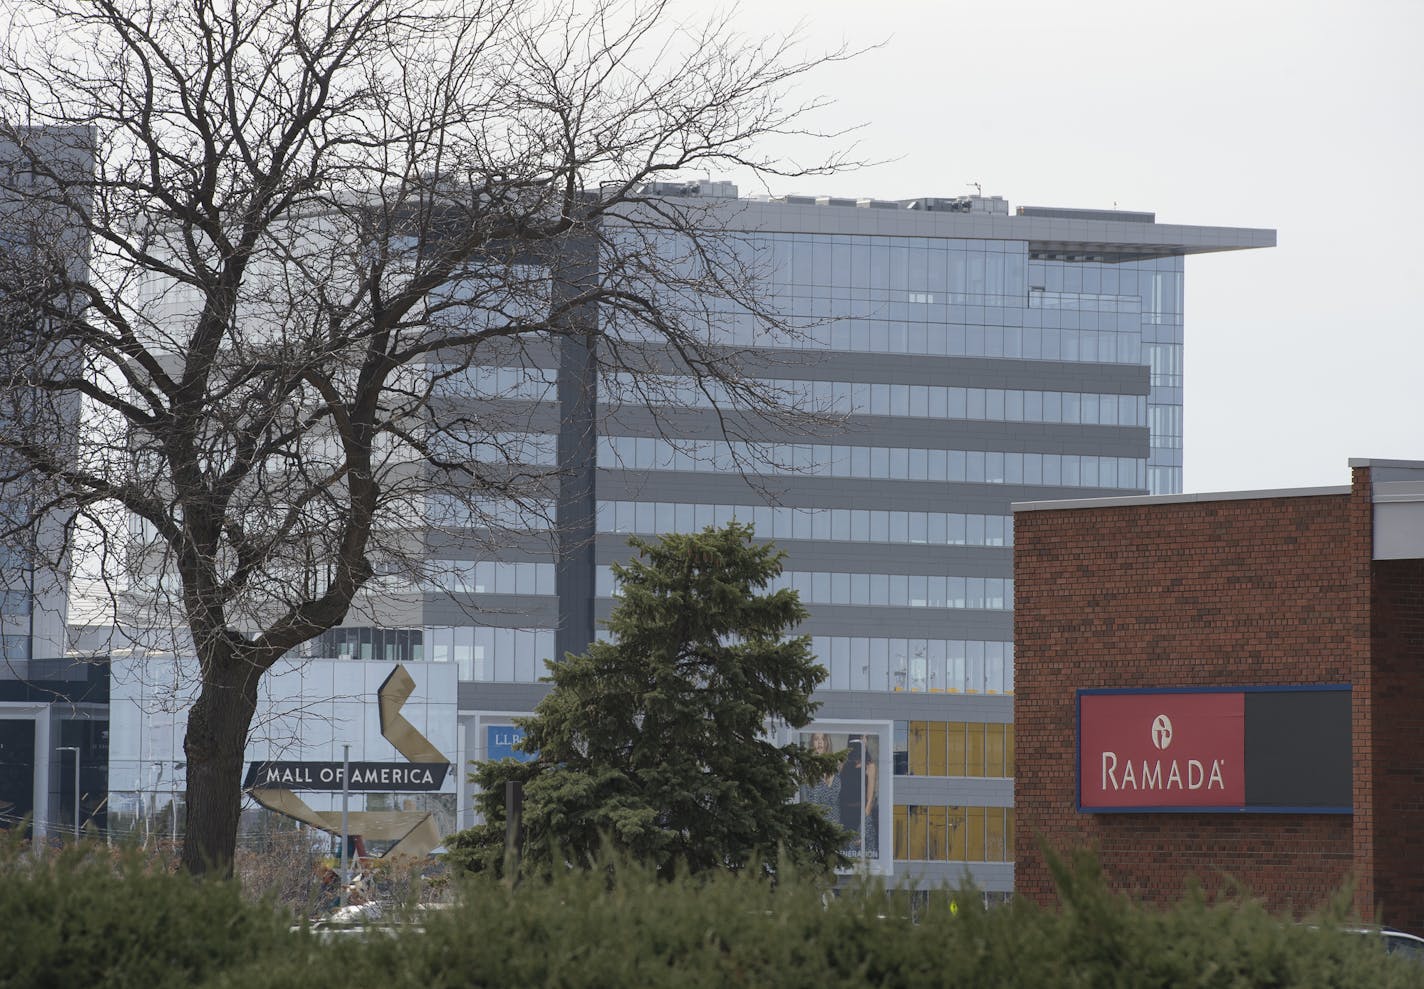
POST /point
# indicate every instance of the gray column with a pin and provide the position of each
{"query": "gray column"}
(577, 446)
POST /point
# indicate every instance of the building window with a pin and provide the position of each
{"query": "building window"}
(953, 834)
(954, 748)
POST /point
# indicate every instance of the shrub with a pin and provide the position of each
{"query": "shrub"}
(622, 927)
(86, 916)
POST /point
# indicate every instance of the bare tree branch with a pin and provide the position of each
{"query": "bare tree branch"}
(255, 252)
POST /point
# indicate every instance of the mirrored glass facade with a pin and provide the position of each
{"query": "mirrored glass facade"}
(969, 358)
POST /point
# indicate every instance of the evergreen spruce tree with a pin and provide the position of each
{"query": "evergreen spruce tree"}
(657, 743)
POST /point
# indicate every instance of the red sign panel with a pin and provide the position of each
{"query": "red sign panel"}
(1161, 750)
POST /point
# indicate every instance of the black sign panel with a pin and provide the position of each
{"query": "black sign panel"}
(366, 777)
(1298, 751)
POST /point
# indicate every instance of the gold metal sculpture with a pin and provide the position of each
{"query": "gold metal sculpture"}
(414, 832)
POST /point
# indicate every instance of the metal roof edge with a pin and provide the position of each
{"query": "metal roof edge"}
(1177, 499)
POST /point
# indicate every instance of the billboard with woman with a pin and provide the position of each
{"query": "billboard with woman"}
(853, 794)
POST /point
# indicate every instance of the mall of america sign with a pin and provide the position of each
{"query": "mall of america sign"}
(367, 777)
(412, 830)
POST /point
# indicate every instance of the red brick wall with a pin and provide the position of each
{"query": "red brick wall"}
(1361, 514)
(1225, 593)
(1398, 772)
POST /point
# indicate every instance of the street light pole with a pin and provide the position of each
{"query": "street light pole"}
(345, 818)
(75, 750)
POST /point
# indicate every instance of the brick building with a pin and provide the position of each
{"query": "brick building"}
(1288, 599)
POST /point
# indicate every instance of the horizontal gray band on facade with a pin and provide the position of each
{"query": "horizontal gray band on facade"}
(646, 455)
(819, 492)
(831, 455)
(529, 350)
(851, 430)
(455, 546)
(941, 791)
(892, 432)
(872, 705)
(1016, 436)
(875, 366)
(970, 372)
(516, 698)
(395, 611)
(764, 360)
(1068, 504)
(497, 414)
(492, 610)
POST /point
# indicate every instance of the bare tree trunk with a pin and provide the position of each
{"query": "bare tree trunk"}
(214, 744)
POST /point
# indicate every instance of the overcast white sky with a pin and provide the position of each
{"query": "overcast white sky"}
(1302, 116)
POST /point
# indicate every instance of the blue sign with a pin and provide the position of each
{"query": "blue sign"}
(500, 742)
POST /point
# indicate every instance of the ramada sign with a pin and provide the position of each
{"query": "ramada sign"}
(1159, 751)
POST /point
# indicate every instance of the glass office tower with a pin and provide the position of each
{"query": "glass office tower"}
(53, 711)
(977, 358)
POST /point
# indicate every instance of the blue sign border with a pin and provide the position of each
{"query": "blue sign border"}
(1156, 809)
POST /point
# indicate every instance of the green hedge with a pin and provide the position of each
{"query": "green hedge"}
(89, 917)
(86, 921)
(588, 931)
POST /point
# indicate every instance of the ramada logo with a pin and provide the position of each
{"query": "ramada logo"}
(1162, 731)
(1157, 774)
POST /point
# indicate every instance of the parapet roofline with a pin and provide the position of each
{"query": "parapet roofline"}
(1049, 237)
(1068, 504)
(1376, 462)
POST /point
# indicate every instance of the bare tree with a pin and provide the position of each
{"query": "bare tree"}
(268, 245)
